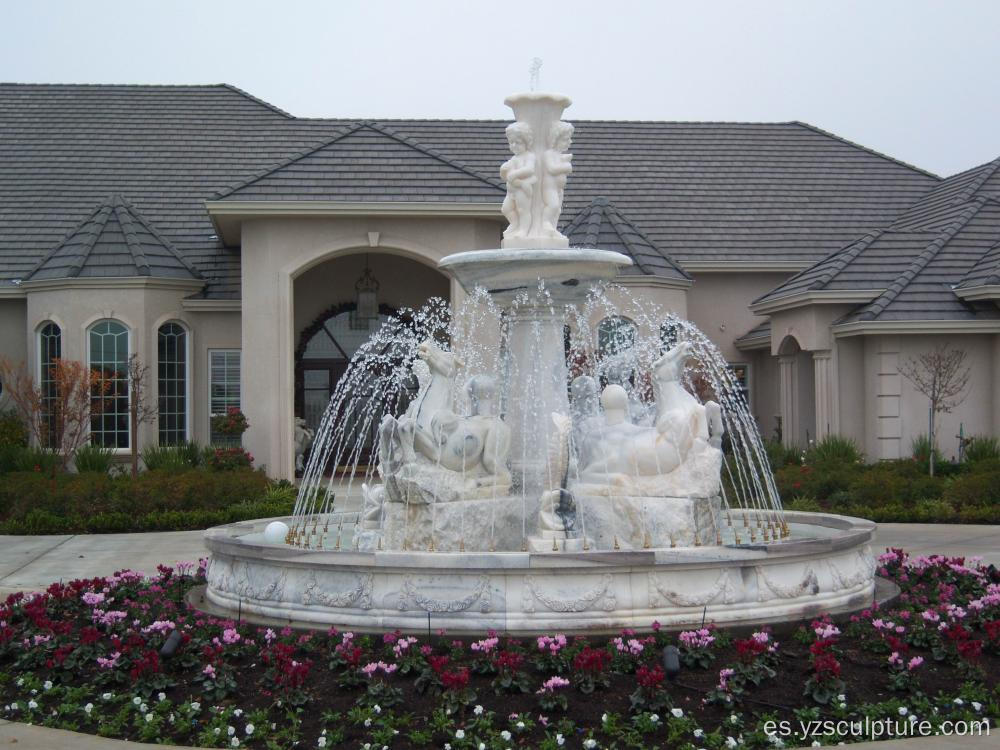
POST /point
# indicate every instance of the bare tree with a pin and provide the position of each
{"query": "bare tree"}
(57, 413)
(941, 375)
(140, 409)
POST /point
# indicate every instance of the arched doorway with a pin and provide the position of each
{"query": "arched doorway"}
(796, 393)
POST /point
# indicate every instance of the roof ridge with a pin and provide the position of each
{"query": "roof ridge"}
(105, 209)
(875, 308)
(125, 220)
(261, 173)
(976, 184)
(137, 215)
(258, 100)
(616, 216)
(413, 143)
(55, 248)
(879, 154)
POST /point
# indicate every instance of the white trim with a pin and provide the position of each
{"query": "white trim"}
(723, 266)
(227, 216)
(112, 282)
(757, 342)
(208, 381)
(981, 292)
(862, 327)
(11, 292)
(815, 297)
(749, 383)
(212, 305)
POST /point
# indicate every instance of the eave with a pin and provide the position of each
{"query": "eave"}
(658, 282)
(228, 216)
(113, 282)
(978, 293)
(752, 343)
(752, 266)
(878, 327)
(815, 297)
(212, 305)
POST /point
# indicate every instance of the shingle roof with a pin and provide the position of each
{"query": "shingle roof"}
(946, 240)
(369, 162)
(115, 240)
(701, 192)
(986, 272)
(602, 225)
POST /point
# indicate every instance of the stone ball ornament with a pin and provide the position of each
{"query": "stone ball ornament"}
(275, 532)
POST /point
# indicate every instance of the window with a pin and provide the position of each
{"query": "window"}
(109, 356)
(223, 386)
(741, 375)
(669, 335)
(615, 335)
(171, 373)
(49, 350)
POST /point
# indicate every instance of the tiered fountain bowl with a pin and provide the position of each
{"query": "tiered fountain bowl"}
(753, 563)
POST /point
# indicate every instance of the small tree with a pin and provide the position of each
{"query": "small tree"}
(140, 410)
(941, 375)
(59, 415)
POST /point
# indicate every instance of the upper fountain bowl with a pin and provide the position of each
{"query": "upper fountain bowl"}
(568, 273)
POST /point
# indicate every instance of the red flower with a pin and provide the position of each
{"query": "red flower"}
(89, 635)
(591, 660)
(650, 678)
(455, 680)
(438, 663)
(970, 650)
(508, 660)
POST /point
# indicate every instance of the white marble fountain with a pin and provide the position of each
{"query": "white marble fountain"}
(526, 482)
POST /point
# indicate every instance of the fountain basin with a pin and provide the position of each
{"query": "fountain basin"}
(826, 566)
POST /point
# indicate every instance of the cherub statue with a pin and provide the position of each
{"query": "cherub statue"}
(557, 166)
(519, 174)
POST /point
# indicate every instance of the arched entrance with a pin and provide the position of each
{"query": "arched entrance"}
(796, 393)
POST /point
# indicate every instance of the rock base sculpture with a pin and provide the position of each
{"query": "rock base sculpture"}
(632, 522)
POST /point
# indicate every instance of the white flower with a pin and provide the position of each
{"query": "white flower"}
(47, 684)
(903, 711)
(655, 718)
(590, 743)
(459, 734)
(149, 718)
(107, 696)
(776, 740)
(368, 722)
(136, 701)
(249, 729)
(731, 742)
(505, 735)
(161, 696)
(604, 718)
(321, 742)
(560, 740)
(841, 697)
(815, 743)
(144, 708)
(977, 706)
(32, 704)
(195, 706)
(482, 746)
(88, 708)
(478, 710)
(377, 708)
(843, 705)
(20, 681)
(958, 702)
(678, 713)
(520, 725)
(230, 730)
(217, 730)
(699, 733)
(913, 718)
(238, 712)
(234, 742)
(734, 719)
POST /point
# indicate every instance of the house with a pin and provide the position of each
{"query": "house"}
(224, 240)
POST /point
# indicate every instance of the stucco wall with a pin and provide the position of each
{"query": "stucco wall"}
(717, 304)
(764, 398)
(277, 251)
(13, 341)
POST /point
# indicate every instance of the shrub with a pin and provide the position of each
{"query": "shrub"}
(779, 455)
(819, 482)
(13, 433)
(94, 458)
(920, 449)
(37, 460)
(186, 455)
(229, 459)
(802, 502)
(982, 448)
(833, 449)
(973, 490)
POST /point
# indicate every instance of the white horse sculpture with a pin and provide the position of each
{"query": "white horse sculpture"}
(624, 454)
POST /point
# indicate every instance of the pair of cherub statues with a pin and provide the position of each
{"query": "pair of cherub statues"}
(526, 173)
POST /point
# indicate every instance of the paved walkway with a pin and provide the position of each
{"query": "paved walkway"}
(33, 562)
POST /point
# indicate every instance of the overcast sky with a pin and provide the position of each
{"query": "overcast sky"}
(916, 80)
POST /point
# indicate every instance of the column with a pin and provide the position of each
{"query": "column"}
(822, 366)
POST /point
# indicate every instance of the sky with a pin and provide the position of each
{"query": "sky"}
(913, 79)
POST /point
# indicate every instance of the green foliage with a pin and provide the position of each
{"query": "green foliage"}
(920, 449)
(94, 458)
(976, 489)
(833, 449)
(228, 459)
(779, 455)
(186, 455)
(12, 430)
(804, 503)
(982, 448)
(38, 503)
(21, 458)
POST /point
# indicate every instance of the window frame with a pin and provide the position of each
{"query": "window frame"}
(749, 380)
(211, 353)
(129, 339)
(40, 381)
(187, 378)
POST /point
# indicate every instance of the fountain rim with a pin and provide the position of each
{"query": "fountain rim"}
(849, 533)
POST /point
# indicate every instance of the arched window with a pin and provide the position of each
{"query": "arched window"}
(109, 355)
(172, 383)
(615, 335)
(669, 335)
(49, 350)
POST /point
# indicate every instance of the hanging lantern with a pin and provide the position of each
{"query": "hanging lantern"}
(366, 288)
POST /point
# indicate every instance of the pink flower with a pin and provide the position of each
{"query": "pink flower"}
(109, 663)
(895, 659)
(230, 635)
(554, 644)
(915, 662)
(724, 675)
(209, 670)
(486, 645)
(552, 684)
(89, 597)
(697, 638)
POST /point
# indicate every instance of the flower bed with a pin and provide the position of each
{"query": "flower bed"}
(125, 657)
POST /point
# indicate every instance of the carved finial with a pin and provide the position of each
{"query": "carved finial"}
(616, 543)
(535, 71)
